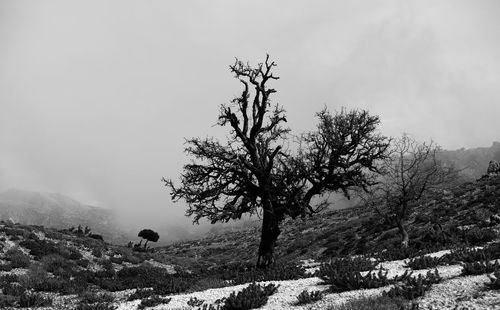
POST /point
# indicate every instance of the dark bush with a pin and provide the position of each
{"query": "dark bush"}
(96, 237)
(13, 289)
(153, 301)
(252, 297)
(58, 265)
(96, 306)
(17, 258)
(306, 297)
(95, 297)
(39, 248)
(8, 301)
(480, 267)
(97, 252)
(426, 262)
(346, 264)
(145, 277)
(494, 281)
(116, 260)
(341, 281)
(468, 255)
(5, 267)
(377, 303)
(34, 300)
(83, 263)
(478, 236)
(133, 259)
(398, 253)
(14, 232)
(8, 278)
(413, 287)
(140, 294)
(195, 302)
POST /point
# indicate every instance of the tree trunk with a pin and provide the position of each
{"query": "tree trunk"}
(145, 244)
(404, 234)
(269, 235)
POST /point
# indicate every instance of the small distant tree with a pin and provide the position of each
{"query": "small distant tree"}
(410, 172)
(254, 172)
(149, 235)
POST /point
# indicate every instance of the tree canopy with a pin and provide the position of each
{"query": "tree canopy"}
(261, 168)
(412, 171)
(149, 235)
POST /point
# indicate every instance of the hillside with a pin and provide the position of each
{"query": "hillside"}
(57, 211)
(355, 230)
(324, 264)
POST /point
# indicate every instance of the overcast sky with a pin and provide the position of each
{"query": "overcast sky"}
(97, 96)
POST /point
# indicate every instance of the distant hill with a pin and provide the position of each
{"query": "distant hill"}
(473, 162)
(57, 211)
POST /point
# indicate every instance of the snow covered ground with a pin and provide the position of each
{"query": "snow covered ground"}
(454, 292)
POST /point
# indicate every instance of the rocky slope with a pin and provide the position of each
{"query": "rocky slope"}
(58, 211)
(63, 270)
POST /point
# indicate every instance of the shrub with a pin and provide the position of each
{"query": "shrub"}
(306, 297)
(413, 287)
(5, 267)
(13, 232)
(155, 277)
(39, 248)
(398, 253)
(480, 267)
(30, 235)
(252, 297)
(34, 300)
(133, 259)
(140, 294)
(54, 235)
(467, 255)
(8, 301)
(494, 250)
(96, 306)
(426, 262)
(97, 252)
(95, 297)
(153, 301)
(8, 278)
(83, 263)
(341, 281)
(13, 289)
(376, 303)
(494, 281)
(35, 277)
(195, 302)
(349, 264)
(58, 265)
(478, 236)
(69, 252)
(247, 273)
(116, 260)
(17, 258)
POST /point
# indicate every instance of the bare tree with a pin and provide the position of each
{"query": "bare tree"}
(253, 172)
(410, 172)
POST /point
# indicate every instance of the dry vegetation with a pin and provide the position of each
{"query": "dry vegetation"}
(42, 267)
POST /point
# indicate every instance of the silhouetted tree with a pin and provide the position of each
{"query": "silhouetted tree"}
(409, 173)
(149, 235)
(254, 170)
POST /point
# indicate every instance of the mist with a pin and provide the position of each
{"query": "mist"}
(97, 97)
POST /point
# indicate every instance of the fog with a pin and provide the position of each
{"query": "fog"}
(96, 97)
